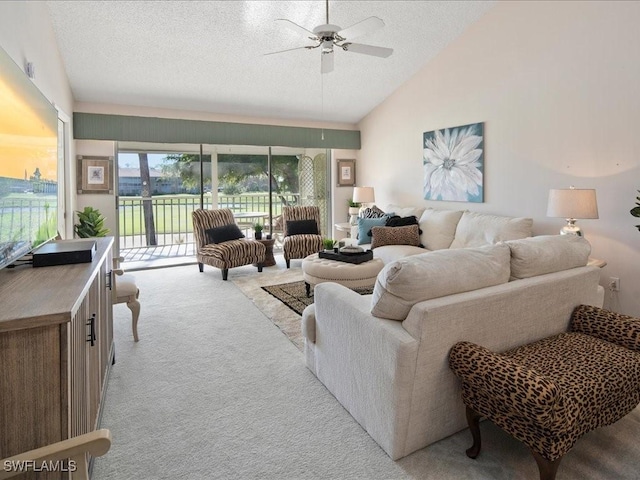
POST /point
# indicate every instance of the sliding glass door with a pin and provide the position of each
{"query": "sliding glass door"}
(160, 185)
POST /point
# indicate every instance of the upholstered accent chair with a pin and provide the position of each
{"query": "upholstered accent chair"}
(301, 236)
(220, 243)
(549, 393)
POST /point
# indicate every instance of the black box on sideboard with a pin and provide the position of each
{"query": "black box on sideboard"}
(64, 252)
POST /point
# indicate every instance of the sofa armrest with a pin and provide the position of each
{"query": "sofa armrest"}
(622, 330)
(518, 388)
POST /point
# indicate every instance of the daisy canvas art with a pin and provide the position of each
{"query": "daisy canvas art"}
(453, 163)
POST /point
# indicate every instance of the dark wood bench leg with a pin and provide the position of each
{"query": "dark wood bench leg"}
(473, 419)
(307, 288)
(546, 467)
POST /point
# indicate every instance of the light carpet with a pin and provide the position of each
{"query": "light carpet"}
(213, 390)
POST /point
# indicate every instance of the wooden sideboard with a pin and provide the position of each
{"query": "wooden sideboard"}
(56, 348)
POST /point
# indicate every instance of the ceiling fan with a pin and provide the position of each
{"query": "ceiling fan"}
(328, 36)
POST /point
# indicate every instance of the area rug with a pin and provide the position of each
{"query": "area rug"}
(294, 294)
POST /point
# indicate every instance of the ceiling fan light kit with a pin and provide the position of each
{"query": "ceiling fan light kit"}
(328, 35)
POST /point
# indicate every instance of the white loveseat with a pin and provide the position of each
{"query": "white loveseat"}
(384, 356)
(452, 229)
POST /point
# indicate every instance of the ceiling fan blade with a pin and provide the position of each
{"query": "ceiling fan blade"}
(326, 62)
(297, 28)
(365, 26)
(368, 49)
(310, 47)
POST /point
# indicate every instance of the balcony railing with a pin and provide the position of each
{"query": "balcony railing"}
(172, 216)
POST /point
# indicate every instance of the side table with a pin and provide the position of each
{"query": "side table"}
(344, 227)
(269, 260)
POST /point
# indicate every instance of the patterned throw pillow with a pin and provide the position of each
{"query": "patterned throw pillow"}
(372, 212)
(407, 235)
(223, 234)
(302, 227)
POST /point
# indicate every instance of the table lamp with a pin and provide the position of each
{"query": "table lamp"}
(572, 203)
(364, 196)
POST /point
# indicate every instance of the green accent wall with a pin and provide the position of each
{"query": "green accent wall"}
(94, 126)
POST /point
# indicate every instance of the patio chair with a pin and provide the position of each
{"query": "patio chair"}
(221, 244)
(302, 236)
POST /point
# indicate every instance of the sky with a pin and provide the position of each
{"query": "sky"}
(130, 160)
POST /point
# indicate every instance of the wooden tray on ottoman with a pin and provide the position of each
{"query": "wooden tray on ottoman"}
(356, 258)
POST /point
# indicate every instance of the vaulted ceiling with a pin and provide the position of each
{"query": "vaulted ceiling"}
(209, 55)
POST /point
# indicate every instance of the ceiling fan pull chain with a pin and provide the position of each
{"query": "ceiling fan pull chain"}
(322, 101)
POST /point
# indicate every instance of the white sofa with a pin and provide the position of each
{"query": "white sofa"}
(452, 229)
(384, 356)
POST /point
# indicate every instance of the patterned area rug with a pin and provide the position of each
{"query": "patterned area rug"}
(294, 295)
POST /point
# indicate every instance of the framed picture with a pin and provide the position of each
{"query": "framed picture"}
(346, 173)
(453, 163)
(95, 174)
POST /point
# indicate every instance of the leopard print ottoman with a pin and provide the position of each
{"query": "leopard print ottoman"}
(549, 393)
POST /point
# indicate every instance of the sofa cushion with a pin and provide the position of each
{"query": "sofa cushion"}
(411, 280)
(547, 254)
(477, 229)
(391, 253)
(223, 233)
(438, 227)
(365, 225)
(404, 235)
(405, 211)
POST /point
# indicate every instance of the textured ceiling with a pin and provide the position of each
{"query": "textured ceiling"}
(209, 55)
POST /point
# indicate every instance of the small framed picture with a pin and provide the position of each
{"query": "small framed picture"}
(95, 174)
(346, 173)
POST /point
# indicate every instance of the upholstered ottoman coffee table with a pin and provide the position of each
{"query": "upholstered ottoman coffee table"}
(317, 270)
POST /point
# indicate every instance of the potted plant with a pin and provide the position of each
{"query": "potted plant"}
(328, 244)
(635, 211)
(257, 229)
(354, 210)
(90, 223)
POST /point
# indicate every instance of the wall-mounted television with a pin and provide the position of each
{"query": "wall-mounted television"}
(28, 164)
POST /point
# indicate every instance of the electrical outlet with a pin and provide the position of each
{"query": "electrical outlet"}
(614, 284)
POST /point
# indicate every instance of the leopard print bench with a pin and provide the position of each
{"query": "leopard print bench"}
(549, 393)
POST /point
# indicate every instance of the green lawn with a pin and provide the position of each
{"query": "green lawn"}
(173, 214)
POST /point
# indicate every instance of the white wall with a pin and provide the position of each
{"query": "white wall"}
(556, 84)
(341, 195)
(26, 34)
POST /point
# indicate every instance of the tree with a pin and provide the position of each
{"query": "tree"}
(147, 206)
(235, 169)
(187, 167)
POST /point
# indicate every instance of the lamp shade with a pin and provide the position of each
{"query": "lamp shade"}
(572, 203)
(363, 195)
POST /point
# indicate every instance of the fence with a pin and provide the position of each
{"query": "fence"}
(172, 215)
(31, 218)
